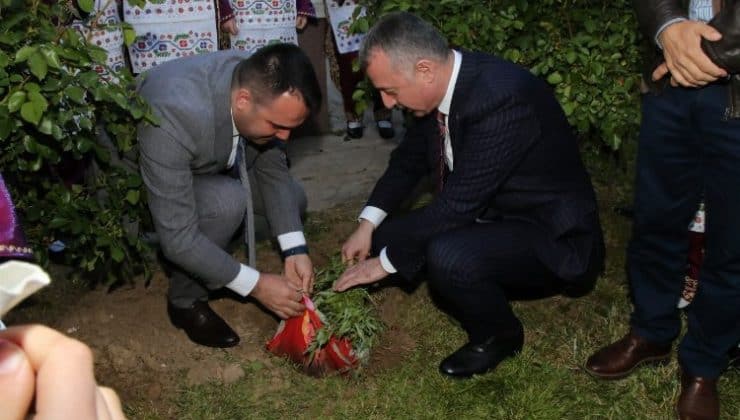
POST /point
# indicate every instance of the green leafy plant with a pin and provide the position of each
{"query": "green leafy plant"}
(350, 314)
(54, 111)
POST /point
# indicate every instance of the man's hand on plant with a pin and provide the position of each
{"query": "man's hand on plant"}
(684, 58)
(364, 272)
(299, 271)
(357, 247)
(278, 295)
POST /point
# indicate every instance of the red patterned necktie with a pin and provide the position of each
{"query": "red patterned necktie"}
(442, 165)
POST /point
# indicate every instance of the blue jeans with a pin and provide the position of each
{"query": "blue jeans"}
(687, 149)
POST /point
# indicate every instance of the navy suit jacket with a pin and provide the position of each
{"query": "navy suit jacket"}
(515, 156)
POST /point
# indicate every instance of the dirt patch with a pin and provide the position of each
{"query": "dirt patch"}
(146, 359)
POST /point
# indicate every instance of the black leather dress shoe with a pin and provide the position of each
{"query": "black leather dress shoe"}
(202, 325)
(473, 359)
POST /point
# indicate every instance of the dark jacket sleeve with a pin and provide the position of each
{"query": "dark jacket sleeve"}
(726, 52)
(652, 14)
(408, 164)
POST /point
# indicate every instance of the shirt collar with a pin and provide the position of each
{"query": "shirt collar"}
(234, 131)
(444, 106)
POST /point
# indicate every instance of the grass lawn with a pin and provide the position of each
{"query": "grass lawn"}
(545, 382)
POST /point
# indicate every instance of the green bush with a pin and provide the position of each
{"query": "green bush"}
(587, 50)
(53, 107)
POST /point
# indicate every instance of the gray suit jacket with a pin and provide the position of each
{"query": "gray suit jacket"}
(191, 98)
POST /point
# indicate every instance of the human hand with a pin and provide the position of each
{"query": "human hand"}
(278, 295)
(39, 362)
(357, 247)
(684, 58)
(299, 271)
(301, 21)
(229, 26)
(364, 272)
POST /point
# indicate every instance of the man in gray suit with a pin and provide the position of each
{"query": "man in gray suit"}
(215, 159)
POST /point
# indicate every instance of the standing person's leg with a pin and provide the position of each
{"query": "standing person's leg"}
(667, 192)
(473, 272)
(383, 116)
(348, 81)
(311, 40)
(714, 315)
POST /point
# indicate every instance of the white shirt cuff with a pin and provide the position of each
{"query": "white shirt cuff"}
(373, 215)
(244, 282)
(665, 25)
(291, 240)
(386, 263)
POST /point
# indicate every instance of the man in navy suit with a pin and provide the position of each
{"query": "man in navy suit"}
(514, 216)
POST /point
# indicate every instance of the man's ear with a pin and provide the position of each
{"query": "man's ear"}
(425, 69)
(243, 99)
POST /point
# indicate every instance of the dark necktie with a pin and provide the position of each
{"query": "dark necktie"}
(442, 165)
(249, 237)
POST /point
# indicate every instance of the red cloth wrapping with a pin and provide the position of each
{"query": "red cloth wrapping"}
(294, 336)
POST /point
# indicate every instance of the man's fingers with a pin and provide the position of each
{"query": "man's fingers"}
(293, 309)
(710, 33)
(345, 281)
(660, 71)
(16, 382)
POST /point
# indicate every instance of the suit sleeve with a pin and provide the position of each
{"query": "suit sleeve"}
(496, 136)
(278, 189)
(166, 172)
(653, 14)
(407, 165)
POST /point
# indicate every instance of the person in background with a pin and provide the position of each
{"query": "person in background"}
(514, 215)
(12, 240)
(688, 148)
(43, 372)
(345, 45)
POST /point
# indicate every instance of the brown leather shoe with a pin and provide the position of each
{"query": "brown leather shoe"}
(620, 358)
(699, 399)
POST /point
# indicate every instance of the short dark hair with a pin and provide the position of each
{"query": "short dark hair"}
(405, 38)
(276, 69)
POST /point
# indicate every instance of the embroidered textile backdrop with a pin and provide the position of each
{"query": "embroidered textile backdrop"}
(169, 29)
(263, 22)
(340, 18)
(107, 35)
